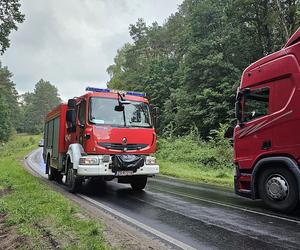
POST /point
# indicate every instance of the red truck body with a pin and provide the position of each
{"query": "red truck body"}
(95, 138)
(267, 138)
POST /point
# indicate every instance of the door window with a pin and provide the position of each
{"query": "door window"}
(81, 112)
(256, 104)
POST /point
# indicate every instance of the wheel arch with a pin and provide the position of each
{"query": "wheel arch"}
(75, 151)
(264, 163)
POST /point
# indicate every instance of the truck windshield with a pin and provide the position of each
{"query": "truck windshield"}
(102, 112)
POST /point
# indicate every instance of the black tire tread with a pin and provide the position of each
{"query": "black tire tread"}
(138, 183)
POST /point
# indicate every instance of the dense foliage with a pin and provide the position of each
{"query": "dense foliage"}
(10, 15)
(191, 158)
(36, 105)
(9, 109)
(191, 65)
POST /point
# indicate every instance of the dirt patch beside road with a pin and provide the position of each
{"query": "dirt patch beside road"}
(9, 236)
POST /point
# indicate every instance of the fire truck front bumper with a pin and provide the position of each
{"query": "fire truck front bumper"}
(99, 166)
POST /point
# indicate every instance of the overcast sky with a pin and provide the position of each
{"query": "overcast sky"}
(71, 42)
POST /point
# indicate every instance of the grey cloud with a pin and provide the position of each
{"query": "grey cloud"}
(72, 42)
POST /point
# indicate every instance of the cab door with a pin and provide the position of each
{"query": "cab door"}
(251, 137)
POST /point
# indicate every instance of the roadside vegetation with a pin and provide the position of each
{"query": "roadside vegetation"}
(34, 216)
(190, 158)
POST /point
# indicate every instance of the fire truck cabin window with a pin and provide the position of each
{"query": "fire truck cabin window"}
(256, 104)
(81, 114)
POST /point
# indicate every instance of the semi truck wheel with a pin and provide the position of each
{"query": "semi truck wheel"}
(73, 182)
(278, 188)
(138, 183)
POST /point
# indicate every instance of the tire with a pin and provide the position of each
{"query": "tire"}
(51, 174)
(58, 176)
(73, 182)
(138, 183)
(278, 188)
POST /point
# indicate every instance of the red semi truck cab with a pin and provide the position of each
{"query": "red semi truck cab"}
(104, 133)
(267, 136)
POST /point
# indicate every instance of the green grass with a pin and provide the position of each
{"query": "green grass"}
(39, 212)
(191, 159)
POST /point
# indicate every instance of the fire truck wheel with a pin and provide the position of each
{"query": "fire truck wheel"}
(278, 188)
(51, 174)
(138, 183)
(73, 182)
(58, 177)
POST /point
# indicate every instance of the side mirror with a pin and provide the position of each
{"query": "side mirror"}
(238, 113)
(71, 120)
(119, 108)
(154, 114)
(71, 103)
(71, 116)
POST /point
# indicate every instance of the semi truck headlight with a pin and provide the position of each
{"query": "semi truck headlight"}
(88, 161)
(150, 160)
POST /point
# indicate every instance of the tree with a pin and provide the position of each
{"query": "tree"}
(10, 112)
(8, 104)
(37, 104)
(5, 124)
(10, 15)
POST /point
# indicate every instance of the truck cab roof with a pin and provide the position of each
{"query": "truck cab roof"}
(253, 74)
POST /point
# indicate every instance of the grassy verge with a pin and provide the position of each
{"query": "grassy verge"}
(43, 217)
(191, 159)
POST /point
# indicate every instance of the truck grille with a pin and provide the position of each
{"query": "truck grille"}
(118, 146)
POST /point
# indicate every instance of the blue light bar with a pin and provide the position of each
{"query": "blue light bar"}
(136, 93)
(92, 89)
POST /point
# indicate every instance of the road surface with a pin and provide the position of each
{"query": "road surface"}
(190, 216)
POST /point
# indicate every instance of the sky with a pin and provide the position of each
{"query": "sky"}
(72, 42)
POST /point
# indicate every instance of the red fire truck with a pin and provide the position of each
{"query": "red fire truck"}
(267, 137)
(104, 133)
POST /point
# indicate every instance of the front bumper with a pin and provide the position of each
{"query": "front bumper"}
(102, 169)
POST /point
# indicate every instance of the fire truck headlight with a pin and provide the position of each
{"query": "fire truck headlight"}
(105, 158)
(88, 161)
(150, 160)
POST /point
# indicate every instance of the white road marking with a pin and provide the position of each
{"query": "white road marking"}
(229, 206)
(139, 224)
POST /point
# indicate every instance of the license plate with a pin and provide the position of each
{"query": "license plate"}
(124, 173)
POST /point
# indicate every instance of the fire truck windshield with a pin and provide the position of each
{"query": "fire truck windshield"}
(102, 112)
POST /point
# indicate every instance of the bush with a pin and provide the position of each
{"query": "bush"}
(215, 153)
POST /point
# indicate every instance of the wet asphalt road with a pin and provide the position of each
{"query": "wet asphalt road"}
(201, 216)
